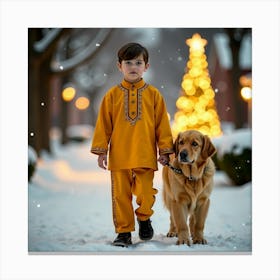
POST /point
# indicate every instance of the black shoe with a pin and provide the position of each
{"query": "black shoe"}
(123, 239)
(146, 231)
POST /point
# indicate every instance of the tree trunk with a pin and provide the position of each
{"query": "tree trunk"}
(239, 106)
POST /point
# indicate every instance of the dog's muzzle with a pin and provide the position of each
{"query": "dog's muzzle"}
(184, 157)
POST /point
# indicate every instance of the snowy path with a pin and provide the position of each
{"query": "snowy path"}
(70, 211)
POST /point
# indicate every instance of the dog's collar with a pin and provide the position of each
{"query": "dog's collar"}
(176, 170)
(179, 171)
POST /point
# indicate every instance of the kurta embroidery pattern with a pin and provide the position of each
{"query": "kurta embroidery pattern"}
(121, 126)
(132, 113)
(99, 150)
(113, 201)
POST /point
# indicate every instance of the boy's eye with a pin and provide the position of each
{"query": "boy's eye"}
(137, 63)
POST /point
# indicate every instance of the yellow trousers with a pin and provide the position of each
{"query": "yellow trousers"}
(125, 184)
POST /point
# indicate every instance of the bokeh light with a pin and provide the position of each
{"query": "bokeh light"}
(82, 103)
(68, 94)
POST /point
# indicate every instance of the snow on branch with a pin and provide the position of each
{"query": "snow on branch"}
(41, 46)
(69, 63)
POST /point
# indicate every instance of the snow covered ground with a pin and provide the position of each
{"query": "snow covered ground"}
(70, 211)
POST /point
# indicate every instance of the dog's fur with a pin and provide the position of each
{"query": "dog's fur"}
(187, 195)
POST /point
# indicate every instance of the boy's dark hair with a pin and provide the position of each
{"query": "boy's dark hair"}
(131, 51)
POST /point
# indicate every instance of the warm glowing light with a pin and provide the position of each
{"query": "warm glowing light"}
(204, 83)
(82, 103)
(246, 93)
(196, 43)
(195, 72)
(181, 102)
(68, 94)
(187, 84)
(196, 104)
(190, 91)
(245, 81)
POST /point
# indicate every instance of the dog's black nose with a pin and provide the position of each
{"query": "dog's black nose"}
(184, 155)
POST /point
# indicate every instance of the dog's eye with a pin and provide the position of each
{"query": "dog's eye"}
(194, 144)
(181, 142)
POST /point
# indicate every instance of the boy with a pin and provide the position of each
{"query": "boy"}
(132, 123)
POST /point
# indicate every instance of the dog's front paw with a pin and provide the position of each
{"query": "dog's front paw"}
(183, 241)
(197, 240)
(172, 234)
(183, 238)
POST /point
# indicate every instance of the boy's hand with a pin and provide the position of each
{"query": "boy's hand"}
(102, 161)
(163, 159)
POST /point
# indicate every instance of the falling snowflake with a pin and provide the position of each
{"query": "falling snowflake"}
(61, 67)
(42, 104)
(216, 90)
(32, 134)
(97, 45)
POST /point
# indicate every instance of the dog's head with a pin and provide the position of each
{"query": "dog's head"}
(191, 146)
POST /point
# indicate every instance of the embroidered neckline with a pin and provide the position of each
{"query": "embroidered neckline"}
(128, 85)
(133, 100)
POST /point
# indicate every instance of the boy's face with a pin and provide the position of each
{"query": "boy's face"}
(133, 69)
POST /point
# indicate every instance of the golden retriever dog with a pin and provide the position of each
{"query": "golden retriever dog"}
(187, 185)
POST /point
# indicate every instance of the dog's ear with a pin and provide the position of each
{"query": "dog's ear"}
(208, 149)
(176, 145)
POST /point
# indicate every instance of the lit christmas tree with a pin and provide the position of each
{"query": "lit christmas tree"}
(196, 105)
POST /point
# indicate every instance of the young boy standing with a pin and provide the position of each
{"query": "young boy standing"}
(132, 125)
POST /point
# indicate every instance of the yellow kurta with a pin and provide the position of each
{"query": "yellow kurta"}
(132, 124)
